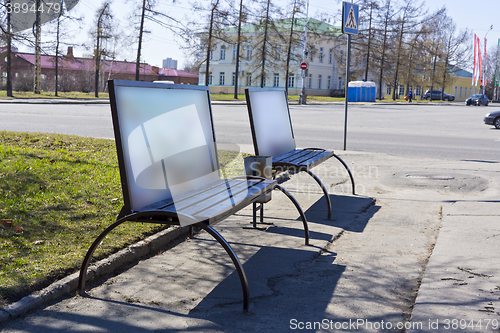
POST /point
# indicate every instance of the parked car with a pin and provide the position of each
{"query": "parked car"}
(436, 95)
(493, 118)
(477, 99)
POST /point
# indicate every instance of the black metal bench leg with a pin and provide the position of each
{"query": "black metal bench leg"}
(302, 216)
(90, 252)
(327, 196)
(236, 262)
(350, 174)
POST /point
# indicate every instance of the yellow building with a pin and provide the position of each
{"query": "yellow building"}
(459, 84)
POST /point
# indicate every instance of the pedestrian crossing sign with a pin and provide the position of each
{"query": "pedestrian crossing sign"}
(350, 18)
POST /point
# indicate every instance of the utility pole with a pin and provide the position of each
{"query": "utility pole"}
(303, 96)
(138, 60)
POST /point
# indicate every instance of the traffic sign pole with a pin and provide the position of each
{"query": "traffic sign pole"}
(350, 15)
(348, 62)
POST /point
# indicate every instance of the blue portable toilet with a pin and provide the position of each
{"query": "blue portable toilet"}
(361, 91)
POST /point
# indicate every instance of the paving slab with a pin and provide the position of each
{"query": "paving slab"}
(391, 256)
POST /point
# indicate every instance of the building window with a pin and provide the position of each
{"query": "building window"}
(276, 80)
(320, 78)
(311, 55)
(249, 80)
(417, 91)
(329, 82)
(330, 56)
(291, 81)
(310, 81)
(461, 92)
(401, 90)
(234, 79)
(222, 78)
(234, 52)
(249, 52)
(223, 52)
(340, 82)
(465, 92)
(211, 54)
(321, 55)
(278, 53)
(388, 90)
(210, 78)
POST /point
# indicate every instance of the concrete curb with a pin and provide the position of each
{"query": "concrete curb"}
(104, 267)
(53, 101)
(238, 102)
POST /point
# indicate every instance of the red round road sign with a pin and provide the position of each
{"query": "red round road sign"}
(303, 66)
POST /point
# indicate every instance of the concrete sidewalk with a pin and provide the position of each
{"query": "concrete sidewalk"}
(416, 247)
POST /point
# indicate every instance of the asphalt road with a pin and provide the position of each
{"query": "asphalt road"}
(453, 132)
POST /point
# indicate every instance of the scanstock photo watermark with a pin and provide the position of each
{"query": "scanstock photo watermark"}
(365, 324)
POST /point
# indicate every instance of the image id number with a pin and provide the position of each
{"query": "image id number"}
(45, 7)
(462, 324)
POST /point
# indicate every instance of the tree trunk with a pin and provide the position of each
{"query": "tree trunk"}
(289, 52)
(38, 67)
(9, 56)
(262, 77)
(369, 44)
(97, 60)
(238, 54)
(209, 47)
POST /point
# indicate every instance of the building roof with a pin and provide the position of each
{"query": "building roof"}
(284, 25)
(175, 72)
(86, 63)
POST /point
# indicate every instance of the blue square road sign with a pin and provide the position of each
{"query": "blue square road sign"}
(350, 18)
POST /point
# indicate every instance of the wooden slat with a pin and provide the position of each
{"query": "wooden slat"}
(206, 200)
(227, 207)
(305, 157)
(287, 155)
(317, 159)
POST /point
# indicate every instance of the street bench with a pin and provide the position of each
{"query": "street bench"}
(169, 167)
(272, 134)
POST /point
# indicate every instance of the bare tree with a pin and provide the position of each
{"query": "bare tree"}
(148, 12)
(407, 23)
(367, 10)
(385, 20)
(104, 28)
(456, 52)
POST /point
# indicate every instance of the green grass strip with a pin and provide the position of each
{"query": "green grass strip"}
(62, 191)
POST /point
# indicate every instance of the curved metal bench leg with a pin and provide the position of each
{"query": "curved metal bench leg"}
(90, 252)
(349, 171)
(236, 262)
(328, 202)
(302, 216)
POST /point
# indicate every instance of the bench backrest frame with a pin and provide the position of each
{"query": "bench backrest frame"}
(134, 196)
(269, 112)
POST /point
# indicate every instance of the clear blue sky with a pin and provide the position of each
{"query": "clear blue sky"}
(477, 16)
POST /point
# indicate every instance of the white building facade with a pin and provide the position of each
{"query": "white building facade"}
(325, 59)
